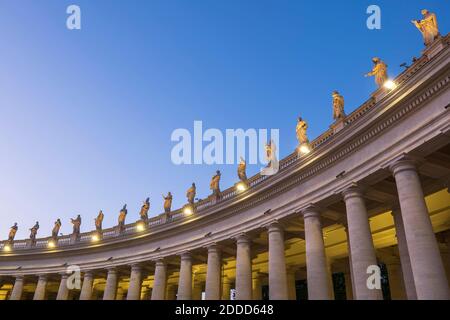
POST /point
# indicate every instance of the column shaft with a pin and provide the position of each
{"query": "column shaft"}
(243, 268)
(86, 288)
(159, 285)
(111, 285)
(185, 281)
(426, 262)
(277, 263)
(17, 291)
(212, 287)
(39, 293)
(134, 288)
(63, 291)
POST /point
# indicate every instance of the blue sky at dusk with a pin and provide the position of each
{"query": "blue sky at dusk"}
(87, 115)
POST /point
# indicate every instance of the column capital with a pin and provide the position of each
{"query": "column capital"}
(274, 226)
(351, 191)
(42, 277)
(242, 238)
(136, 266)
(88, 274)
(403, 164)
(186, 255)
(214, 247)
(112, 270)
(20, 277)
(311, 211)
(160, 262)
(64, 275)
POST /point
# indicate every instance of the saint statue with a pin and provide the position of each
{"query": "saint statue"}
(167, 202)
(241, 170)
(214, 184)
(12, 232)
(301, 131)
(144, 210)
(427, 26)
(379, 71)
(190, 193)
(76, 225)
(338, 106)
(33, 232)
(122, 215)
(56, 228)
(99, 221)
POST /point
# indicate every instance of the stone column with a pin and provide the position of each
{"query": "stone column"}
(292, 291)
(39, 293)
(185, 281)
(212, 289)
(226, 288)
(134, 289)
(159, 285)
(243, 268)
(426, 263)
(63, 291)
(86, 288)
(256, 286)
(17, 291)
(277, 263)
(316, 261)
(111, 285)
(361, 245)
(395, 280)
(405, 262)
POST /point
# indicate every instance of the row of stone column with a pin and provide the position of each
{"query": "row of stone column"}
(421, 263)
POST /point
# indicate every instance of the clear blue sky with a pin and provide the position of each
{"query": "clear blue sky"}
(86, 116)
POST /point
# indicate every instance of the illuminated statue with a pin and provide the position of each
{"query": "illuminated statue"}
(167, 202)
(33, 232)
(99, 221)
(301, 131)
(241, 170)
(56, 228)
(144, 210)
(190, 194)
(338, 106)
(379, 71)
(427, 26)
(122, 215)
(76, 226)
(12, 232)
(214, 184)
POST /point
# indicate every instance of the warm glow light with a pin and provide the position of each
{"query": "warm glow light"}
(95, 238)
(241, 186)
(140, 227)
(304, 149)
(389, 84)
(51, 244)
(7, 247)
(187, 211)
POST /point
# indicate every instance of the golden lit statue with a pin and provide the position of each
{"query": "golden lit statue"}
(301, 128)
(56, 228)
(338, 106)
(144, 210)
(33, 232)
(99, 221)
(379, 71)
(167, 202)
(122, 215)
(242, 170)
(214, 184)
(76, 225)
(12, 232)
(427, 26)
(190, 193)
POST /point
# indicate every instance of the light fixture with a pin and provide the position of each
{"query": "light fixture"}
(187, 210)
(140, 226)
(51, 244)
(95, 238)
(389, 84)
(304, 148)
(241, 186)
(7, 248)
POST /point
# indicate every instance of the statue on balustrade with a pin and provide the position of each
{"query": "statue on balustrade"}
(122, 215)
(12, 232)
(144, 210)
(301, 128)
(167, 202)
(76, 226)
(214, 184)
(190, 193)
(33, 233)
(427, 26)
(99, 221)
(379, 71)
(55, 229)
(338, 106)
(242, 170)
